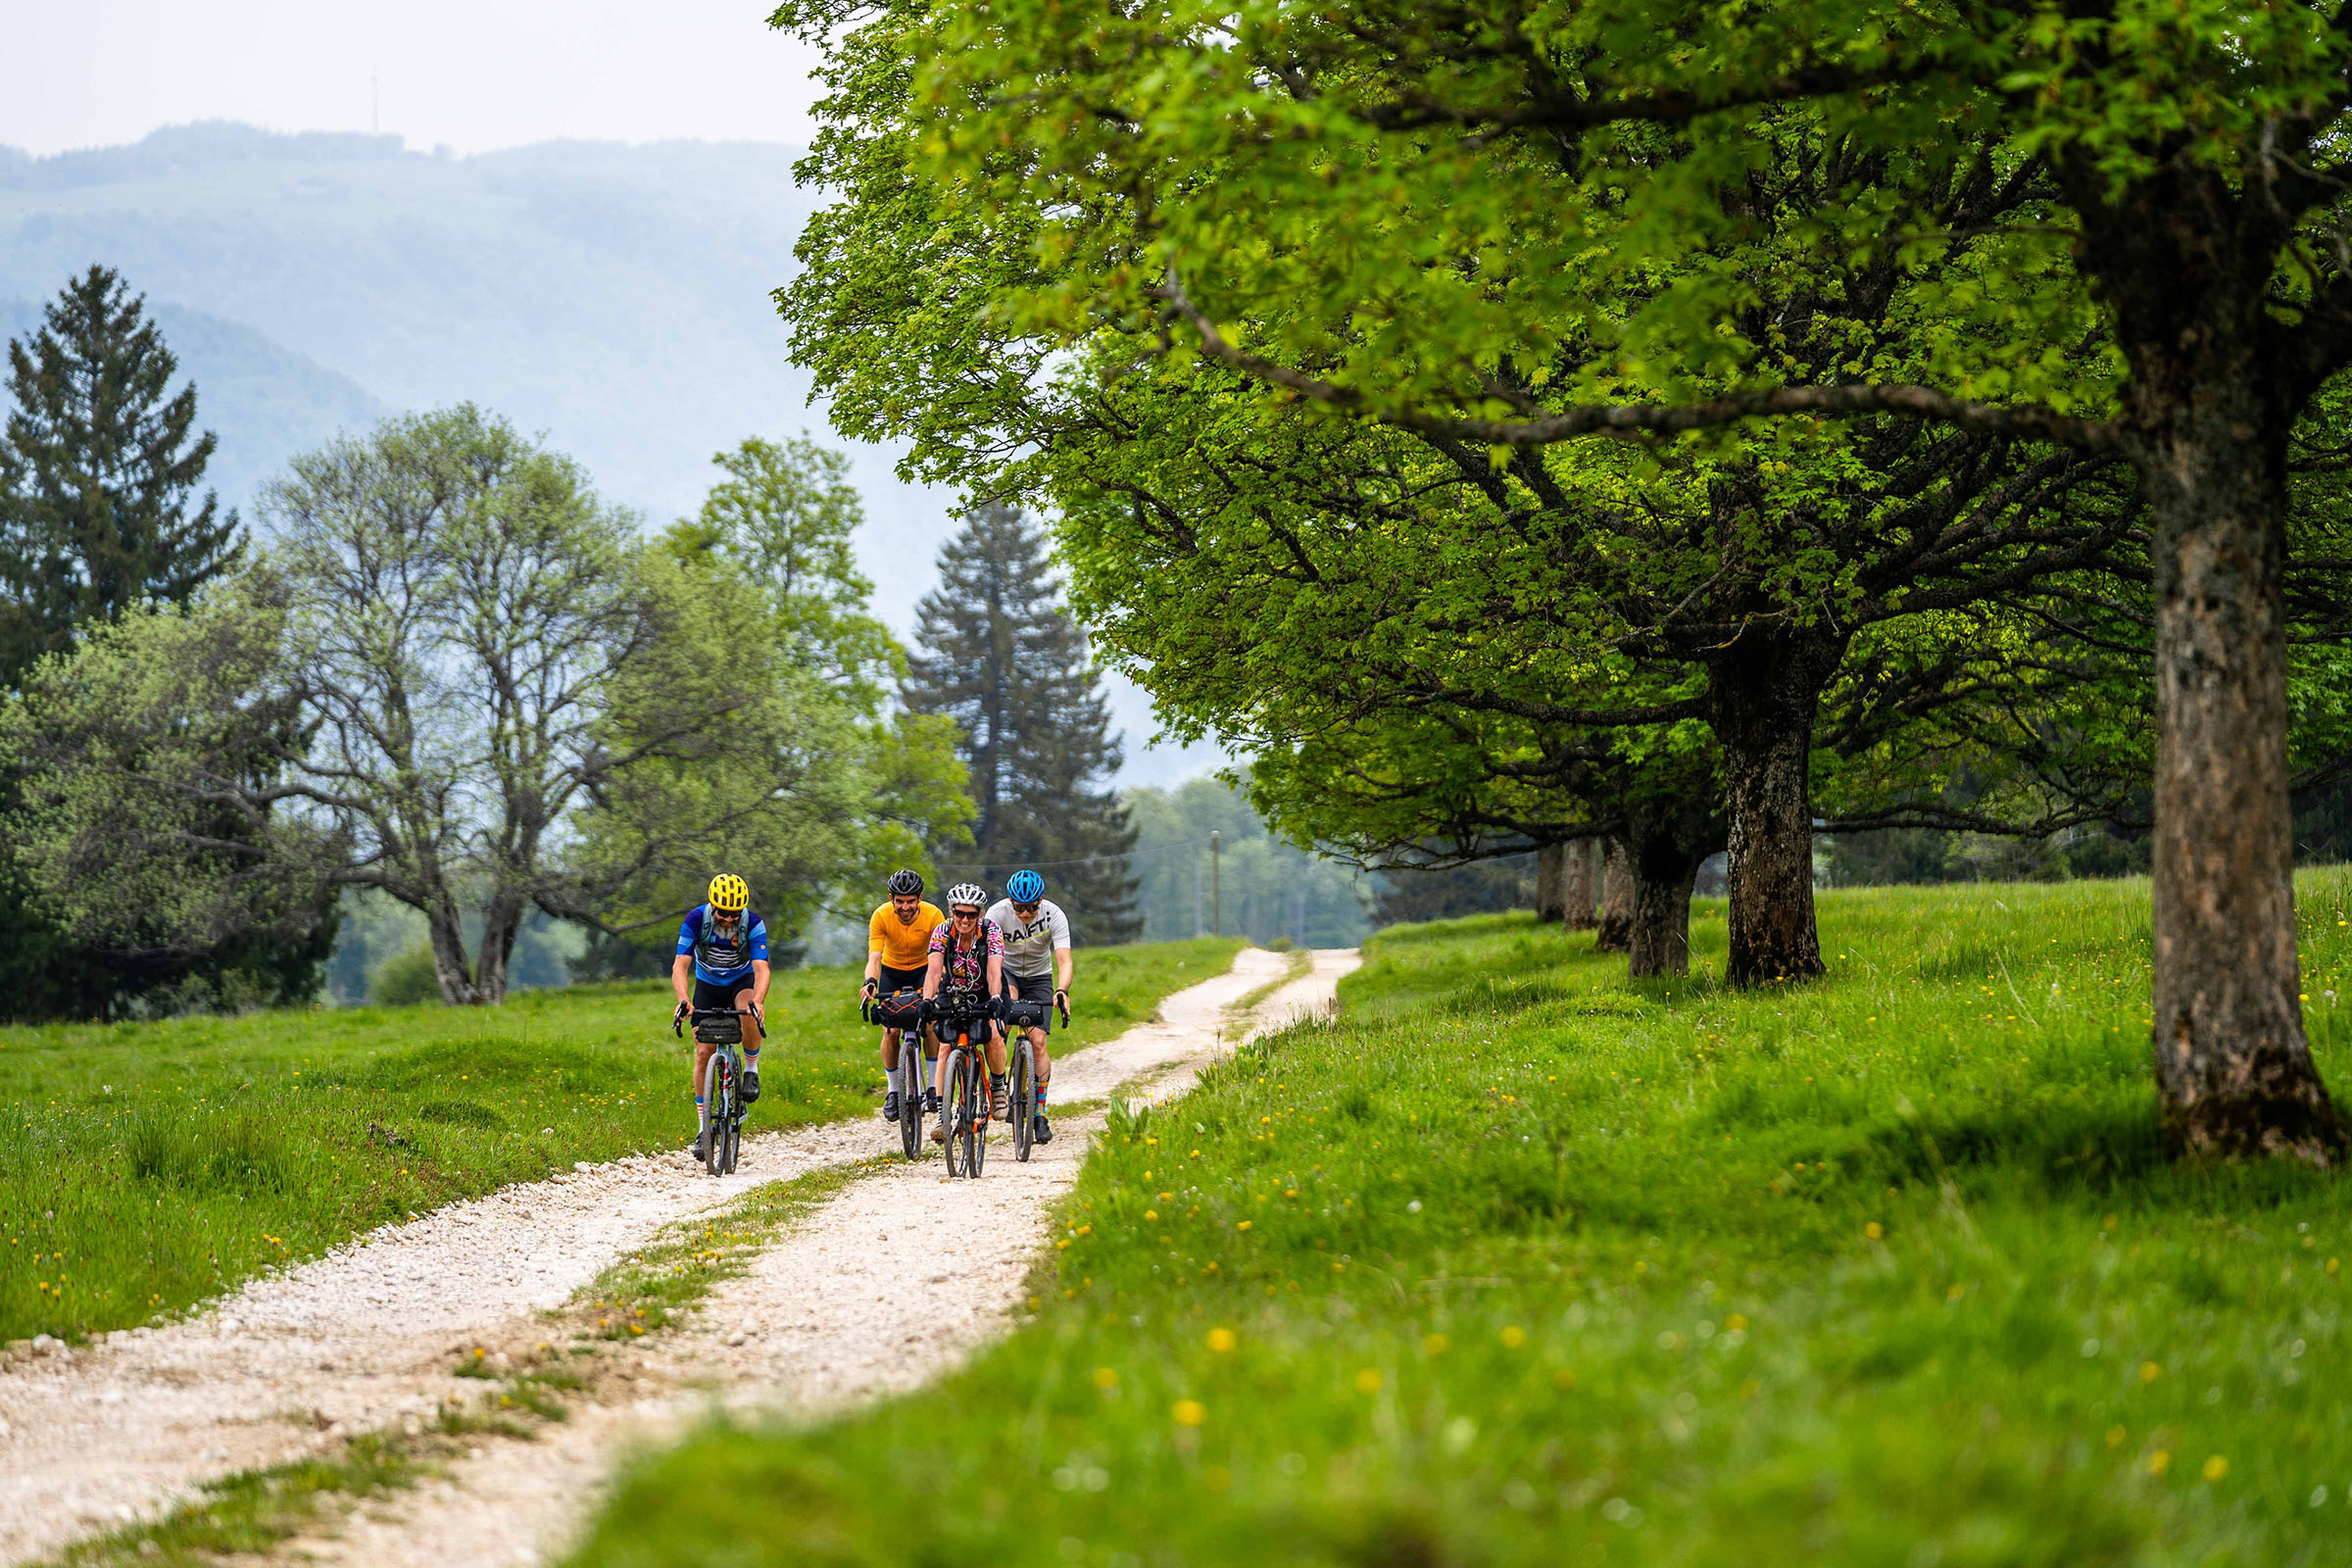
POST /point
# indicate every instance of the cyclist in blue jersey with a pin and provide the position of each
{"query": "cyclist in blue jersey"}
(722, 962)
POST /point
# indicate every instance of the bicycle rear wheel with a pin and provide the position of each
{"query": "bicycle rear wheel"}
(1025, 1098)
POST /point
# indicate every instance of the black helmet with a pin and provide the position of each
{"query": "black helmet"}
(909, 880)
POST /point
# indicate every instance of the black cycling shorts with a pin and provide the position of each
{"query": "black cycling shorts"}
(890, 980)
(1032, 988)
(721, 996)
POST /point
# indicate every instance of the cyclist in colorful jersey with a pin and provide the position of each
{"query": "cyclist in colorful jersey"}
(1037, 967)
(722, 962)
(968, 964)
(898, 954)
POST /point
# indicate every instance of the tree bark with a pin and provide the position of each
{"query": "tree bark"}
(2232, 1063)
(1580, 883)
(1764, 691)
(2187, 264)
(501, 921)
(1664, 849)
(1614, 929)
(1661, 936)
(1551, 870)
(450, 966)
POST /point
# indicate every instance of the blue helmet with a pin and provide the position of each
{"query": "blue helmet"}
(1024, 887)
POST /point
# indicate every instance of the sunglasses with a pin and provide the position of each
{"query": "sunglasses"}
(967, 914)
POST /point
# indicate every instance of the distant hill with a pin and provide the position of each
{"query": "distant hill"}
(616, 298)
(264, 402)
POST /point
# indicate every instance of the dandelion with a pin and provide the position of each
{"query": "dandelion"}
(1434, 1345)
(1513, 1336)
(1191, 1413)
(2149, 1371)
(2116, 1436)
(1221, 1340)
(1874, 1230)
(1368, 1381)
(1107, 1377)
(2159, 1462)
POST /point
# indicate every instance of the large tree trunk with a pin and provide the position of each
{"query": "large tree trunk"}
(1614, 931)
(1661, 937)
(501, 921)
(450, 965)
(2232, 1063)
(1580, 883)
(2187, 264)
(1552, 867)
(1763, 693)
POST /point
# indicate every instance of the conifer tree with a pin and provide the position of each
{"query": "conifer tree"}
(1002, 657)
(99, 468)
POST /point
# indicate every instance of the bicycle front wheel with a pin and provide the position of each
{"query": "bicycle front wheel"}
(909, 1080)
(1024, 1098)
(958, 1112)
(718, 1103)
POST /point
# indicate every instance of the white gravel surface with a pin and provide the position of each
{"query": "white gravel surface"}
(846, 1307)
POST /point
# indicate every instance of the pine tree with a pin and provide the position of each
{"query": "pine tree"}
(98, 474)
(1002, 655)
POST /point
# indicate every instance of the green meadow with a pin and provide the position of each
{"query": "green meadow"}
(1522, 1262)
(145, 1168)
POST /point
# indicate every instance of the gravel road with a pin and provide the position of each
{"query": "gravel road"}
(842, 1309)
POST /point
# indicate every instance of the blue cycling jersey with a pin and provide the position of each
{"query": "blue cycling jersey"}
(720, 960)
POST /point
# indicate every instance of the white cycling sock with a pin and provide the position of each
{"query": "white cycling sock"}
(702, 1116)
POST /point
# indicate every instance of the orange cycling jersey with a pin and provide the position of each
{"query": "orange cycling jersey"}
(903, 944)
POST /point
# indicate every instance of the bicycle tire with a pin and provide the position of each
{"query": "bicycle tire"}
(1025, 1098)
(715, 1102)
(951, 1113)
(975, 1126)
(909, 1082)
(735, 1114)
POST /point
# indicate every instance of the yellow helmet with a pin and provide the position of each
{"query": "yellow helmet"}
(729, 894)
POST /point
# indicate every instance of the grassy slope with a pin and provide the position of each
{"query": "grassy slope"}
(1523, 1263)
(146, 1166)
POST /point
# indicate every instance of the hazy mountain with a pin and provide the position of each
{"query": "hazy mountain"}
(613, 297)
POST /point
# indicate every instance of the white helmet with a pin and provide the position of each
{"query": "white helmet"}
(970, 893)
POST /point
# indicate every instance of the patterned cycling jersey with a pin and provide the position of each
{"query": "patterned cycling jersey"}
(966, 967)
(719, 958)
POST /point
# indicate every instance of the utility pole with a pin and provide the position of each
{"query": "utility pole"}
(1216, 885)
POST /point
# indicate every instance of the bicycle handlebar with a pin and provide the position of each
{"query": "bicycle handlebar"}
(680, 1018)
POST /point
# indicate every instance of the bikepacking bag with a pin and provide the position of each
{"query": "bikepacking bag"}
(1020, 1014)
(724, 1030)
(901, 1009)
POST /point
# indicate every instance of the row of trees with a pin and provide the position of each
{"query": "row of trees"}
(452, 675)
(1967, 387)
(448, 676)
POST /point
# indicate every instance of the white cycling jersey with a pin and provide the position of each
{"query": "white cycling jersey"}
(1029, 948)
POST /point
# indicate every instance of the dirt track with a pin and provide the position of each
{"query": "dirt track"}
(367, 1336)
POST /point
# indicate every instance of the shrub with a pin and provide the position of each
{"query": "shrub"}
(405, 979)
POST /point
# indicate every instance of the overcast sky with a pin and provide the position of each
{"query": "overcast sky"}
(475, 75)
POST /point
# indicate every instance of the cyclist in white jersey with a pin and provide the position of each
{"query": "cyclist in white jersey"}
(1037, 966)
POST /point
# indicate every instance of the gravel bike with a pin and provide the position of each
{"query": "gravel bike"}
(963, 1112)
(903, 1010)
(1021, 1105)
(722, 1078)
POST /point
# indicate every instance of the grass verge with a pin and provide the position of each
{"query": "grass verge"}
(145, 1168)
(1522, 1261)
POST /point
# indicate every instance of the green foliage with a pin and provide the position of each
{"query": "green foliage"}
(405, 980)
(206, 1149)
(794, 770)
(1004, 660)
(99, 466)
(1539, 1263)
